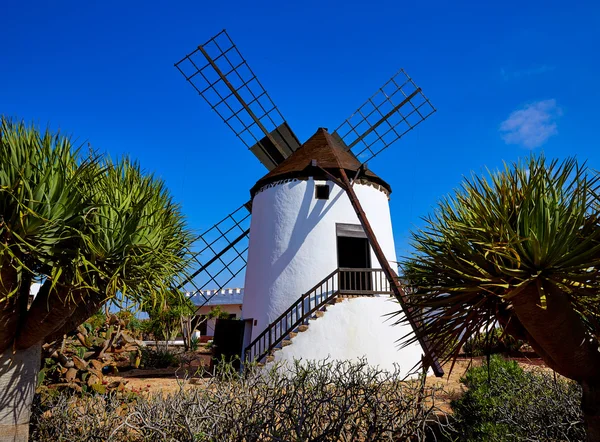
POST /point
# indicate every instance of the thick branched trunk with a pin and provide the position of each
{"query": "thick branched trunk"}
(18, 379)
(81, 313)
(10, 307)
(559, 336)
(559, 331)
(590, 404)
(48, 313)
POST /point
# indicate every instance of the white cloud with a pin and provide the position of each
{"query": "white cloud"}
(532, 125)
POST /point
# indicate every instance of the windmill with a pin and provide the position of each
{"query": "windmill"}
(222, 77)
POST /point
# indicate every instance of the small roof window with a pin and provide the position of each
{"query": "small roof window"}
(322, 192)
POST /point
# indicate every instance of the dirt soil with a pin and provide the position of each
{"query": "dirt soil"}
(169, 380)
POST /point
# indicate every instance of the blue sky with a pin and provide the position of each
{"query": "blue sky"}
(506, 77)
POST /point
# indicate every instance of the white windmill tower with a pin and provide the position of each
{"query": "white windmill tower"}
(317, 237)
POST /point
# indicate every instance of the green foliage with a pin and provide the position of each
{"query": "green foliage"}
(165, 319)
(496, 341)
(158, 358)
(217, 312)
(41, 205)
(88, 227)
(505, 403)
(132, 323)
(96, 321)
(533, 224)
(194, 343)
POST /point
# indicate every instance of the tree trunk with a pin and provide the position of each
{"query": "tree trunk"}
(559, 331)
(563, 343)
(590, 404)
(10, 308)
(48, 313)
(81, 313)
(18, 379)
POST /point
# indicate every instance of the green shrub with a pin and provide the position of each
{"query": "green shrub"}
(158, 358)
(506, 403)
(132, 323)
(194, 343)
(497, 341)
(96, 321)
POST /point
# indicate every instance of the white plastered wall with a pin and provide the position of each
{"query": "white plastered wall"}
(293, 242)
(353, 329)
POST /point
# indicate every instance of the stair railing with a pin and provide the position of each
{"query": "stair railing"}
(342, 281)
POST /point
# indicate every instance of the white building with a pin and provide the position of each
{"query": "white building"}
(228, 300)
(303, 229)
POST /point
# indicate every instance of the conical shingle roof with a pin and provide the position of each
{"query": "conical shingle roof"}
(329, 155)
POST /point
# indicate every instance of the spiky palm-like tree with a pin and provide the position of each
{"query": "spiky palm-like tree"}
(521, 249)
(87, 229)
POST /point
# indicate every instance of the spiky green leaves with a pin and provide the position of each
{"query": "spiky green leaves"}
(89, 227)
(534, 223)
(138, 237)
(41, 208)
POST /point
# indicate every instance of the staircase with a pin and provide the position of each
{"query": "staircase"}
(341, 283)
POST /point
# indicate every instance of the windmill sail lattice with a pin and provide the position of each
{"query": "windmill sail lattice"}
(395, 109)
(219, 256)
(224, 79)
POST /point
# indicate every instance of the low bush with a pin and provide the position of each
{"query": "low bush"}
(496, 341)
(506, 403)
(325, 401)
(194, 343)
(158, 358)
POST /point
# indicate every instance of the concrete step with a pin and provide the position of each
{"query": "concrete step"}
(302, 328)
(286, 342)
(318, 314)
(270, 358)
(292, 335)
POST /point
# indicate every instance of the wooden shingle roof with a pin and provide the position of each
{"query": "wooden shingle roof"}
(329, 155)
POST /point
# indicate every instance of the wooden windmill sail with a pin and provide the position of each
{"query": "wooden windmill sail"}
(220, 74)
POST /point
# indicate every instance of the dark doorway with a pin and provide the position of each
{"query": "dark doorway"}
(354, 253)
(228, 340)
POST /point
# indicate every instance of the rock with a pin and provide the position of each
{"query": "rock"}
(93, 380)
(80, 364)
(64, 361)
(83, 340)
(71, 374)
(114, 384)
(94, 375)
(97, 364)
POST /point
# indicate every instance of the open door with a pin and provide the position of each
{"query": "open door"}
(353, 252)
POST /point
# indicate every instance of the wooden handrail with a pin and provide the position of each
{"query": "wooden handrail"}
(298, 313)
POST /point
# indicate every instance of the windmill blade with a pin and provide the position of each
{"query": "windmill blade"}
(223, 78)
(395, 109)
(219, 255)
